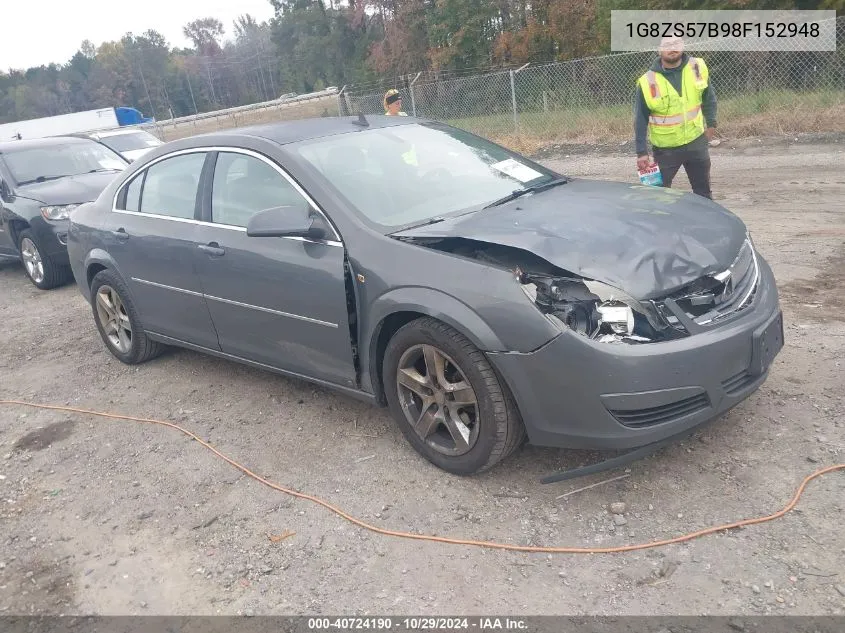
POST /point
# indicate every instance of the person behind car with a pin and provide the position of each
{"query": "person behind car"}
(393, 103)
(675, 108)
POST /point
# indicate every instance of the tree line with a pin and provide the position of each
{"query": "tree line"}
(311, 44)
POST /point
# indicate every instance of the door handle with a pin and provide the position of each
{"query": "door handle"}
(120, 234)
(212, 248)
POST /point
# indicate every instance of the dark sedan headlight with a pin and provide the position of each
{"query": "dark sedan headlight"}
(57, 211)
(595, 310)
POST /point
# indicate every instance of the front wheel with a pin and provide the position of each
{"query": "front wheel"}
(40, 268)
(117, 320)
(447, 399)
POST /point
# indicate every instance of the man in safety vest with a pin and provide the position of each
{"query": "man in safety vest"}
(675, 103)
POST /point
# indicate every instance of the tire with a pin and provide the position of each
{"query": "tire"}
(117, 320)
(494, 426)
(39, 267)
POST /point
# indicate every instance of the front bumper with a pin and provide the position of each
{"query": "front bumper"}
(578, 393)
(52, 238)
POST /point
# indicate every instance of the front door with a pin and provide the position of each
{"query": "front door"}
(153, 234)
(277, 301)
(8, 248)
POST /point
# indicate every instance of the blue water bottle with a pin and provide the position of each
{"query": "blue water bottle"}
(651, 176)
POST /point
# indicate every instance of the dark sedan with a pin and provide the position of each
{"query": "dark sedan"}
(41, 181)
(480, 296)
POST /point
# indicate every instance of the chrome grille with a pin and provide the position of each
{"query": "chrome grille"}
(738, 283)
(715, 297)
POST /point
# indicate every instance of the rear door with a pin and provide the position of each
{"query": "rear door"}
(277, 301)
(152, 236)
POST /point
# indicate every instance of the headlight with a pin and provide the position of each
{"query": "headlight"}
(618, 316)
(58, 211)
(595, 310)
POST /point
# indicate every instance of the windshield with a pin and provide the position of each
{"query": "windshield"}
(400, 176)
(48, 162)
(128, 142)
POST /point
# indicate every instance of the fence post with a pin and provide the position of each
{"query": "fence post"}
(413, 99)
(513, 101)
(339, 102)
(513, 96)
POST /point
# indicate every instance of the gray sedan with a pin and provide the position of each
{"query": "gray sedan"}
(480, 296)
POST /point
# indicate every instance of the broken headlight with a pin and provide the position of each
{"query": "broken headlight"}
(595, 310)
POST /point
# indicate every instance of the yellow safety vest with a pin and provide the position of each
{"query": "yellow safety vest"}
(675, 119)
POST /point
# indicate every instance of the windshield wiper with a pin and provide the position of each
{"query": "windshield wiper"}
(521, 192)
(434, 220)
(46, 178)
(43, 179)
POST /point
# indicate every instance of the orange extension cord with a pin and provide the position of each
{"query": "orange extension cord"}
(444, 539)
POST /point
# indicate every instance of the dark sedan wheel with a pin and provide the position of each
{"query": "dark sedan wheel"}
(447, 400)
(42, 271)
(117, 320)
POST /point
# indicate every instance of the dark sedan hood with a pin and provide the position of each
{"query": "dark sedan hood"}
(70, 190)
(647, 241)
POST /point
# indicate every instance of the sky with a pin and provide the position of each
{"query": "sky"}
(36, 32)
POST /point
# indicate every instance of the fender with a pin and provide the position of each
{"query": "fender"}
(431, 303)
(100, 257)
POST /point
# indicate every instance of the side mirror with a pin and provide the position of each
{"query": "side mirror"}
(287, 221)
(5, 192)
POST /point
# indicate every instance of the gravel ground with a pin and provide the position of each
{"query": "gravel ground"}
(113, 517)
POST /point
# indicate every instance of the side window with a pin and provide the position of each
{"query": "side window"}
(133, 194)
(170, 187)
(244, 185)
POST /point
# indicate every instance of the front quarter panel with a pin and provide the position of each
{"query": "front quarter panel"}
(484, 303)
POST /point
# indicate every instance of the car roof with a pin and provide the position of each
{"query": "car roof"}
(285, 132)
(50, 141)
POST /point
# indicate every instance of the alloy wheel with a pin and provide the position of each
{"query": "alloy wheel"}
(438, 400)
(114, 319)
(32, 260)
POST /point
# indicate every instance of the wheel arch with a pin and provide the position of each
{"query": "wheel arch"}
(97, 260)
(399, 307)
(16, 227)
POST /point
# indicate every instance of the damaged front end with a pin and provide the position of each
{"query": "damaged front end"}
(715, 299)
(606, 314)
(595, 310)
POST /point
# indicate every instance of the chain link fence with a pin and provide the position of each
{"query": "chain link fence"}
(590, 100)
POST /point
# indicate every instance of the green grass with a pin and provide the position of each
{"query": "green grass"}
(759, 114)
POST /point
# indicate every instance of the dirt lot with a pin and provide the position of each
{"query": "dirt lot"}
(117, 517)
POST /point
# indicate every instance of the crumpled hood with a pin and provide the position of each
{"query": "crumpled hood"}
(647, 241)
(70, 190)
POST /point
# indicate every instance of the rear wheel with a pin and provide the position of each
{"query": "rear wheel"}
(448, 400)
(117, 320)
(42, 271)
